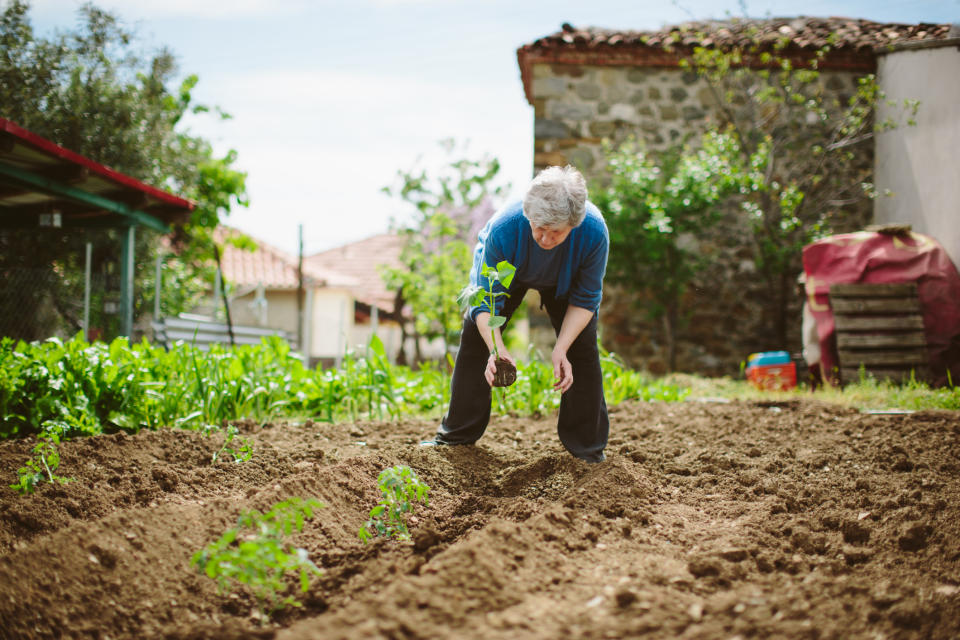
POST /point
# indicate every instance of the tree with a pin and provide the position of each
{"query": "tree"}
(91, 91)
(802, 146)
(655, 204)
(450, 207)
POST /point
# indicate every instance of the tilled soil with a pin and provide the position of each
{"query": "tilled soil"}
(708, 520)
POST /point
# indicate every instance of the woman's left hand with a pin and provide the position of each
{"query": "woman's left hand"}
(562, 371)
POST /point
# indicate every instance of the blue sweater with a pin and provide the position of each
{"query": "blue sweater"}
(507, 236)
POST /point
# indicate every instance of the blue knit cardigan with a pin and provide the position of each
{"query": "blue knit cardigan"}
(507, 236)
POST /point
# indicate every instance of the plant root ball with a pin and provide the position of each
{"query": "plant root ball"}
(506, 373)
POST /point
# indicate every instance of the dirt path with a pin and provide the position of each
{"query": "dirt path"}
(799, 520)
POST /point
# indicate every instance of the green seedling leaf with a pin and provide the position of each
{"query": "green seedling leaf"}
(497, 321)
(505, 272)
(262, 558)
(399, 486)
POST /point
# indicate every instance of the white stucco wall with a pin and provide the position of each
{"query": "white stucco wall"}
(920, 165)
(331, 323)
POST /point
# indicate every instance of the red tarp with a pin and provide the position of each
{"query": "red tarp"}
(871, 257)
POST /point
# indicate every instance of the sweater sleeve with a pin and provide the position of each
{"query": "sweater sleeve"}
(586, 291)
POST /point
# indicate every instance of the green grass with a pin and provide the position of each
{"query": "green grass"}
(865, 394)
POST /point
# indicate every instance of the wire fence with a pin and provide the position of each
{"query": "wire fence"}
(76, 291)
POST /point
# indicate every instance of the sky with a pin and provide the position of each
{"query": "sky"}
(330, 98)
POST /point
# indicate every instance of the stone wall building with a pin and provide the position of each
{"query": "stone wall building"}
(590, 85)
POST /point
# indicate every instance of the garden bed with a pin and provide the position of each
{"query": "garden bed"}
(708, 520)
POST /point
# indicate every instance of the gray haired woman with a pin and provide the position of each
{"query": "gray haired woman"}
(558, 242)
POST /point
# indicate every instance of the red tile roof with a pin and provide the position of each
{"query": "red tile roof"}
(271, 267)
(362, 261)
(853, 42)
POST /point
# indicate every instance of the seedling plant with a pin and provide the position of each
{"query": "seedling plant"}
(401, 489)
(475, 296)
(256, 554)
(45, 460)
(243, 454)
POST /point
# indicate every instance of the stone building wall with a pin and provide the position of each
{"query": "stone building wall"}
(576, 107)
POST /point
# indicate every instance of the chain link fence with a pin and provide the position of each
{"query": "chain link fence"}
(56, 286)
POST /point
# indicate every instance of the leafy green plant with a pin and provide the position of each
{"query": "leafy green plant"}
(243, 454)
(256, 554)
(475, 296)
(45, 460)
(401, 488)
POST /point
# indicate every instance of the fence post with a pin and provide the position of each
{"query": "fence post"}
(156, 290)
(127, 248)
(86, 291)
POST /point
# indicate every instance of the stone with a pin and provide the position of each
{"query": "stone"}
(623, 112)
(616, 93)
(693, 113)
(706, 97)
(678, 94)
(645, 110)
(654, 93)
(689, 77)
(603, 109)
(637, 97)
(568, 111)
(549, 87)
(544, 128)
(602, 128)
(636, 76)
(581, 158)
(669, 112)
(588, 91)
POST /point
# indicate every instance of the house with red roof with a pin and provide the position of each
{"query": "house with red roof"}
(343, 298)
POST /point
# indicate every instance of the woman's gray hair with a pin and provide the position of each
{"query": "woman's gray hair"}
(556, 197)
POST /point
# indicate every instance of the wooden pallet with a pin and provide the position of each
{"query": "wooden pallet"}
(879, 327)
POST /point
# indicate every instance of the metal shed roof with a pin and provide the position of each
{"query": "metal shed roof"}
(42, 182)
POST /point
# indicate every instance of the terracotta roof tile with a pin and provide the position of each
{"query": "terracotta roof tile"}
(362, 261)
(271, 267)
(854, 42)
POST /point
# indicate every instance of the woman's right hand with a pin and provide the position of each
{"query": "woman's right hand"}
(491, 369)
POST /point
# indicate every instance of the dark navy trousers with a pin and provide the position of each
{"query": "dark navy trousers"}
(583, 424)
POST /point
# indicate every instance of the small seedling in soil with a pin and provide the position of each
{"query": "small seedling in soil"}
(243, 454)
(473, 296)
(255, 553)
(401, 488)
(45, 460)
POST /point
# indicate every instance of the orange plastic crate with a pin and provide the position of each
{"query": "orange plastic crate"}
(773, 377)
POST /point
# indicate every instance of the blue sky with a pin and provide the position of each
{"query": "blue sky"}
(331, 97)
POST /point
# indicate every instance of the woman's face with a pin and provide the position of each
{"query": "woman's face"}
(549, 237)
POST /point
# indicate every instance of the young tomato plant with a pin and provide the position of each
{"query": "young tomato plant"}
(401, 488)
(475, 296)
(255, 553)
(45, 460)
(243, 454)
